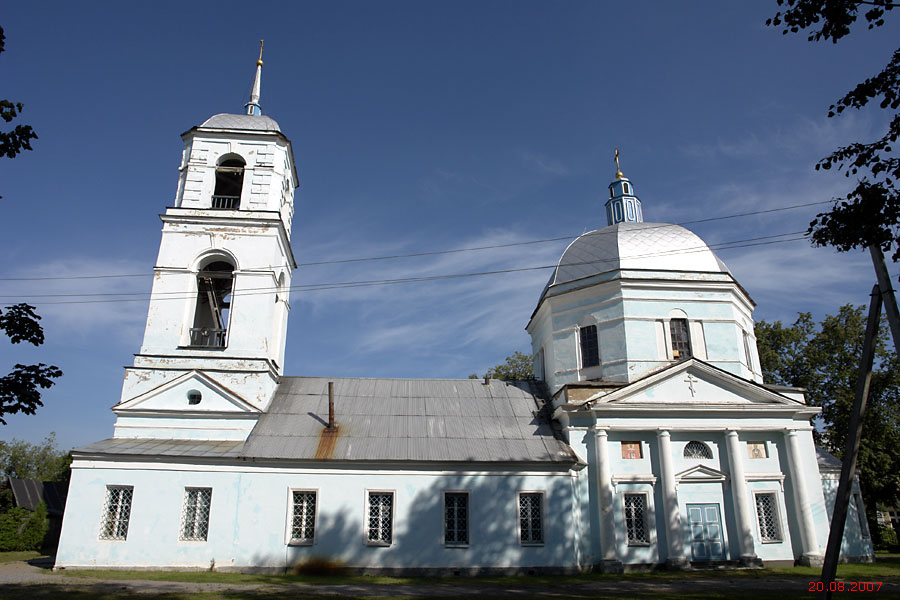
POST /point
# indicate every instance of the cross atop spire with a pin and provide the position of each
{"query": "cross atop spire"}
(253, 106)
(619, 174)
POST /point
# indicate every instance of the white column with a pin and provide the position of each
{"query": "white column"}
(741, 497)
(605, 503)
(811, 555)
(675, 532)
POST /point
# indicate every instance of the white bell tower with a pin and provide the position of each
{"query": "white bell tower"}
(213, 348)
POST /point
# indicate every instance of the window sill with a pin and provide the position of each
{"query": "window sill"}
(771, 541)
(202, 347)
(378, 544)
(640, 544)
(462, 546)
(532, 544)
(301, 542)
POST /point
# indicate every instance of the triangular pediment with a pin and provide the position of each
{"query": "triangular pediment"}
(182, 394)
(694, 383)
(701, 473)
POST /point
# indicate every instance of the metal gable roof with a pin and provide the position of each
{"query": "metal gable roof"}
(420, 420)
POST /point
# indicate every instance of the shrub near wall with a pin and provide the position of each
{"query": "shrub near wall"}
(23, 530)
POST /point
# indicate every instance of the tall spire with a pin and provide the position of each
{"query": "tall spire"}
(253, 106)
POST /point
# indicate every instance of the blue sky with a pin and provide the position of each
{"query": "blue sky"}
(416, 126)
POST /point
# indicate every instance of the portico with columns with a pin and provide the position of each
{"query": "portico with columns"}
(645, 341)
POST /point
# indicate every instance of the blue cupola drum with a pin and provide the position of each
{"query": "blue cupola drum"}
(623, 206)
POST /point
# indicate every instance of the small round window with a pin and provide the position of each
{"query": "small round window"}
(194, 397)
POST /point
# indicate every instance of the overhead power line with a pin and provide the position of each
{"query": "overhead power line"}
(451, 251)
(145, 296)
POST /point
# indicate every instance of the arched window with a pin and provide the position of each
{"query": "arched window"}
(590, 350)
(214, 286)
(697, 450)
(681, 338)
(229, 181)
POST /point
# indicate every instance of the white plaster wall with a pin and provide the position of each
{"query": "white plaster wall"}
(249, 517)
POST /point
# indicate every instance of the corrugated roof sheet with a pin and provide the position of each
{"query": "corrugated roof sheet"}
(427, 420)
(28, 493)
(154, 447)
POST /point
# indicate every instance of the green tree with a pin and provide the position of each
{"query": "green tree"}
(517, 366)
(19, 389)
(43, 461)
(870, 214)
(824, 359)
(19, 137)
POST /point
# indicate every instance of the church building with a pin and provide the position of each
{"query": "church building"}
(647, 439)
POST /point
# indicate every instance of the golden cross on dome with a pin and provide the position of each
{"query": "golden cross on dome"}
(619, 174)
(259, 60)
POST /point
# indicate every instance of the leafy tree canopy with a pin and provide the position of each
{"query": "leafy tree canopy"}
(43, 461)
(19, 389)
(824, 358)
(517, 366)
(19, 138)
(870, 214)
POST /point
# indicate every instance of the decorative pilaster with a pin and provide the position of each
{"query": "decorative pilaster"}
(740, 495)
(610, 562)
(675, 532)
(811, 555)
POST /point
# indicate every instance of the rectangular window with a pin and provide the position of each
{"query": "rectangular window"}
(456, 518)
(380, 526)
(681, 338)
(195, 514)
(636, 519)
(531, 518)
(757, 450)
(767, 516)
(631, 450)
(303, 516)
(590, 351)
(861, 515)
(116, 512)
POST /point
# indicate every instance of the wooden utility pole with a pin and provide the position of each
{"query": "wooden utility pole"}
(887, 294)
(851, 451)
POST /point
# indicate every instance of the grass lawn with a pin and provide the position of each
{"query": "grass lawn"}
(6, 557)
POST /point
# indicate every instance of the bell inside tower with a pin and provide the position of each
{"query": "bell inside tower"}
(214, 286)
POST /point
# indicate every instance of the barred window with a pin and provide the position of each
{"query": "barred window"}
(195, 514)
(380, 529)
(636, 519)
(303, 519)
(590, 351)
(681, 338)
(531, 521)
(456, 518)
(861, 515)
(767, 516)
(697, 450)
(116, 512)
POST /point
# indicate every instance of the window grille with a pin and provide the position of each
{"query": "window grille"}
(681, 338)
(303, 521)
(590, 351)
(116, 512)
(195, 516)
(767, 515)
(861, 515)
(381, 517)
(697, 450)
(531, 524)
(456, 518)
(636, 519)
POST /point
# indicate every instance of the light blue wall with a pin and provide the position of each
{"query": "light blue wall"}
(249, 515)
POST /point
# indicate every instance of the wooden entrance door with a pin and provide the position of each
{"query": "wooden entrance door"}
(706, 539)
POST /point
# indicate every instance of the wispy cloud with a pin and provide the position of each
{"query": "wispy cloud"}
(543, 164)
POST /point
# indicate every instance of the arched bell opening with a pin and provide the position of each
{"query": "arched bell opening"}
(229, 183)
(215, 283)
